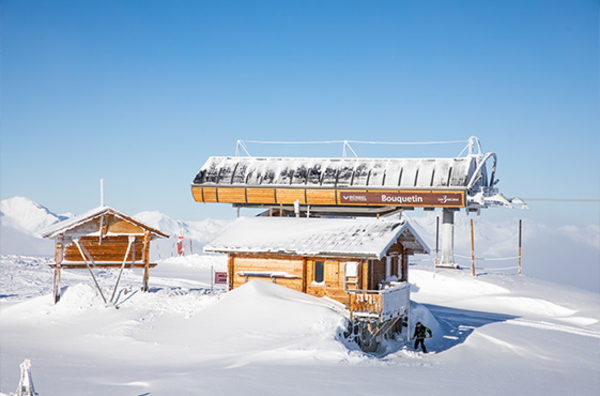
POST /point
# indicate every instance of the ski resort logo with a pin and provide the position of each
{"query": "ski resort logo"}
(354, 198)
(444, 199)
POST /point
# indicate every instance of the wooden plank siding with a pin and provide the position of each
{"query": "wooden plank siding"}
(266, 263)
(197, 193)
(314, 196)
(320, 197)
(370, 273)
(232, 195)
(260, 196)
(290, 195)
(112, 249)
(209, 194)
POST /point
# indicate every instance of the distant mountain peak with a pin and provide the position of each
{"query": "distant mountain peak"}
(27, 215)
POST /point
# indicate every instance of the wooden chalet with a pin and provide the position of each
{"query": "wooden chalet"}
(101, 238)
(362, 263)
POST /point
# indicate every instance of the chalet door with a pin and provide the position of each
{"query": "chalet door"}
(332, 273)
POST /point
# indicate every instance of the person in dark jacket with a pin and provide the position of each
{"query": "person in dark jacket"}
(420, 335)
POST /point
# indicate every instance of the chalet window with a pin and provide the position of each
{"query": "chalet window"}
(319, 270)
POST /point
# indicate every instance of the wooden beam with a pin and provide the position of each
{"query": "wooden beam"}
(230, 270)
(82, 250)
(304, 274)
(146, 260)
(131, 241)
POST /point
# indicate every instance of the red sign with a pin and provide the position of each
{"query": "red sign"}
(180, 246)
(220, 278)
(408, 198)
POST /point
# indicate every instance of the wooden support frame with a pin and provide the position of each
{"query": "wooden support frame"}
(131, 241)
(83, 255)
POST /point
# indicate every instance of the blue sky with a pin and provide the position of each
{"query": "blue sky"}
(141, 93)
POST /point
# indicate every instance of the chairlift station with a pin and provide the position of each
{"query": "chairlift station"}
(357, 261)
(352, 187)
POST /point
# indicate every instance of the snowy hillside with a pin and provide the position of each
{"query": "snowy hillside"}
(493, 335)
(28, 216)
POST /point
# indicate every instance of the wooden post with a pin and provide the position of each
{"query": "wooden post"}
(304, 274)
(520, 227)
(146, 260)
(472, 248)
(191, 249)
(230, 261)
(58, 258)
(404, 265)
(56, 290)
(280, 209)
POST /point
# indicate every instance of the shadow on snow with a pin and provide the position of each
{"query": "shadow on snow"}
(458, 324)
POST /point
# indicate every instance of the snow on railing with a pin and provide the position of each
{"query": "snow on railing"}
(383, 304)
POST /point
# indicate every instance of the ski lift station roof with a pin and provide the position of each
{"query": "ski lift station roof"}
(360, 183)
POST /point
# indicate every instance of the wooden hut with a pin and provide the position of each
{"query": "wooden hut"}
(101, 238)
(362, 263)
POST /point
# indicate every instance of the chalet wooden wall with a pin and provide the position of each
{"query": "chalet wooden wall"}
(112, 249)
(265, 262)
(371, 273)
(333, 279)
(302, 268)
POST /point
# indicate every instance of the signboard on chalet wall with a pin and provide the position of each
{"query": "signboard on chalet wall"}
(407, 198)
(220, 278)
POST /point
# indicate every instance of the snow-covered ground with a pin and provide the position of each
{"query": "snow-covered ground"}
(494, 334)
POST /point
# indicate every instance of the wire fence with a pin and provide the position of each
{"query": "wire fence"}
(479, 270)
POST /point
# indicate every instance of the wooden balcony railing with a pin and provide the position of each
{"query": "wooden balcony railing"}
(383, 304)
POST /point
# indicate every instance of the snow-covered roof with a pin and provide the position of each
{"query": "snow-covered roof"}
(360, 238)
(337, 172)
(77, 221)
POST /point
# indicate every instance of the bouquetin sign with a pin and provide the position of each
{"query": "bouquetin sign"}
(408, 198)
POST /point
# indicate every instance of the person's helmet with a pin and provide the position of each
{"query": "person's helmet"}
(418, 323)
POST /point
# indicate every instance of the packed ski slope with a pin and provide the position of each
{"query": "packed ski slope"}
(493, 335)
